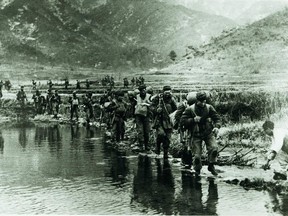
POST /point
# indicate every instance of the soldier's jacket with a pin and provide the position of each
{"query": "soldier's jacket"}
(180, 110)
(57, 99)
(168, 106)
(118, 108)
(209, 119)
(21, 95)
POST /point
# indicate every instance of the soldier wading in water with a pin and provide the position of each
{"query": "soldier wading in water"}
(203, 122)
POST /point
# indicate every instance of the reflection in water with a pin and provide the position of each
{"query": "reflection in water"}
(91, 177)
(54, 139)
(279, 202)
(1, 142)
(88, 144)
(22, 137)
(212, 200)
(155, 192)
(40, 135)
(119, 167)
(75, 136)
(191, 197)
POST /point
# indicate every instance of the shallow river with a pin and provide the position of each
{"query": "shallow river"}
(69, 170)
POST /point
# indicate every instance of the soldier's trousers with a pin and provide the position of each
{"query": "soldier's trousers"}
(196, 147)
(74, 110)
(143, 130)
(163, 136)
(118, 129)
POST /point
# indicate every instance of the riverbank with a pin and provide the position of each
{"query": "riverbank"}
(241, 144)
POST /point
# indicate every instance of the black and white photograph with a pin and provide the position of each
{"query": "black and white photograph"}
(144, 107)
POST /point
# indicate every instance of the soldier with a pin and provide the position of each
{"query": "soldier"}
(163, 105)
(66, 83)
(34, 84)
(112, 83)
(7, 85)
(125, 82)
(1, 86)
(21, 96)
(49, 101)
(50, 84)
(88, 106)
(78, 84)
(199, 119)
(87, 84)
(133, 81)
(142, 118)
(118, 108)
(279, 146)
(188, 100)
(37, 101)
(74, 102)
(56, 102)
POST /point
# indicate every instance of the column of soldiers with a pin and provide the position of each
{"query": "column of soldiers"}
(195, 120)
(50, 103)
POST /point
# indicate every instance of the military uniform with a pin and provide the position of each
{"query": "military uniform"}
(163, 105)
(200, 119)
(142, 118)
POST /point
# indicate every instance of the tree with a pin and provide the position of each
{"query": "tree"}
(172, 55)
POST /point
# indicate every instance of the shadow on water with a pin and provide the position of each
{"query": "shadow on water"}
(54, 140)
(88, 143)
(1, 142)
(22, 137)
(154, 191)
(278, 203)
(191, 196)
(76, 165)
(40, 135)
(117, 165)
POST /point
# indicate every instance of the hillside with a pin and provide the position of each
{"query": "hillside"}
(52, 31)
(255, 54)
(240, 11)
(260, 10)
(102, 34)
(159, 26)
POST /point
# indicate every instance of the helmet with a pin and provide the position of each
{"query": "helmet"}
(191, 98)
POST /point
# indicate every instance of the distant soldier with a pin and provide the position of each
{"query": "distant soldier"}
(56, 103)
(78, 84)
(21, 96)
(49, 102)
(74, 102)
(66, 83)
(133, 81)
(7, 85)
(1, 87)
(50, 84)
(112, 83)
(138, 82)
(88, 107)
(87, 84)
(125, 82)
(141, 80)
(37, 101)
(34, 84)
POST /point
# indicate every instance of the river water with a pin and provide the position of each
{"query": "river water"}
(63, 169)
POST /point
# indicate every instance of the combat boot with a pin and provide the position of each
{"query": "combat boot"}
(212, 169)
